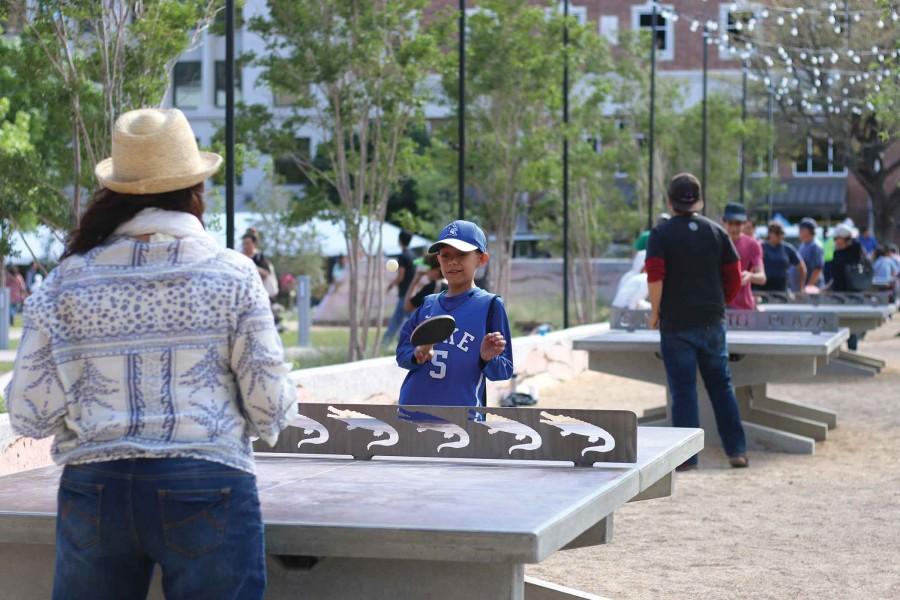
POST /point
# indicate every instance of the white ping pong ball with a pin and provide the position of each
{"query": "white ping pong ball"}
(392, 265)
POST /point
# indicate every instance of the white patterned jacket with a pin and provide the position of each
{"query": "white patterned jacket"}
(158, 349)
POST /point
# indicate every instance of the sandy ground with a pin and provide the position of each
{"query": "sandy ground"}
(790, 526)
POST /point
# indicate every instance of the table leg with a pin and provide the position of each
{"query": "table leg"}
(383, 579)
(761, 399)
(538, 589)
(759, 436)
(849, 362)
(775, 419)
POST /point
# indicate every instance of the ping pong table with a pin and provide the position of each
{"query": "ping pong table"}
(859, 319)
(765, 348)
(394, 527)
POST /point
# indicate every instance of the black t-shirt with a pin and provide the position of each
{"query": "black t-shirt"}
(851, 255)
(259, 259)
(432, 287)
(693, 249)
(409, 271)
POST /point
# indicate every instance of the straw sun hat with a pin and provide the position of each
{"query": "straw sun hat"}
(154, 151)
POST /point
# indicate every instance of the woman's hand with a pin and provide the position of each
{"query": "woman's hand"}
(492, 346)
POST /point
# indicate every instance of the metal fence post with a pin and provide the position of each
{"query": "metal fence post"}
(304, 310)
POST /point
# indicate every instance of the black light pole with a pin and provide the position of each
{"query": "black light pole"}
(461, 116)
(565, 165)
(705, 133)
(229, 123)
(743, 121)
(652, 116)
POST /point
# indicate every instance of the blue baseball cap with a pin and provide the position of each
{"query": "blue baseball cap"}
(735, 212)
(465, 236)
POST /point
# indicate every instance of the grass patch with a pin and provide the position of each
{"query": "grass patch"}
(6, 367)
(330, 343)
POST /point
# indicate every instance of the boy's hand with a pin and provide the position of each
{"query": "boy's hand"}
(424, 354)
(654, 320)
(745, 278)
(492, 346)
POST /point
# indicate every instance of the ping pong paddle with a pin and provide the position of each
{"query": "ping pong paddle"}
(433, 330)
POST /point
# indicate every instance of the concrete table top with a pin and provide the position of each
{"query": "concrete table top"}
(843, 311)
(739, 342)
(393, 508)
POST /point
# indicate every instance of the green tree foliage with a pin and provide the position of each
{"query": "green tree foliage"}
(514, 59)
(824, 80)
(73, 67)
(356, 71)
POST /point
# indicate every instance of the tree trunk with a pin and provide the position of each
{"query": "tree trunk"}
(76, 190)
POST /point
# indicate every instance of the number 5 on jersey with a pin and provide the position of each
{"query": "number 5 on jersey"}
(439, 360)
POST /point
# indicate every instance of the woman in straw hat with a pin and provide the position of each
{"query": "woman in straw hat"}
(151, 354)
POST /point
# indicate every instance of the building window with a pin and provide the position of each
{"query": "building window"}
(736, 21)
(579, 12)
(286, 167)
(663, 32)
(822, 157)
(188, 86)
(220, 83)
(609, 28)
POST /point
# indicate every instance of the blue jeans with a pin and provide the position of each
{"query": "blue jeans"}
(199, 520)
(683, 353)
(397, 320)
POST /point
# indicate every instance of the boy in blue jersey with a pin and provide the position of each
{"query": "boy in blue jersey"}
(453, 372)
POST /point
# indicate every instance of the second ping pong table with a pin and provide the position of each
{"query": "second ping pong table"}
(793, 348)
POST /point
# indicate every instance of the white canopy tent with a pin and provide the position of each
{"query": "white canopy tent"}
(47, 246)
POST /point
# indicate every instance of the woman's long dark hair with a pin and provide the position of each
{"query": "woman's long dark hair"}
(109, 209)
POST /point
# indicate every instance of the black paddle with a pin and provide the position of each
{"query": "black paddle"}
(433, 330)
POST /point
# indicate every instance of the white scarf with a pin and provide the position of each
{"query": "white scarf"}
(164, 225)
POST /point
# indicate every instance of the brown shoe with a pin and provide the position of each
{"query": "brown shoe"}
(739, 461)
(686, 466)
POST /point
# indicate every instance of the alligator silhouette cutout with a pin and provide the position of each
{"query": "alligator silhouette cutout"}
(310, 426)
(358, 420)
(569, 425)
(428, 422)
(497, 424)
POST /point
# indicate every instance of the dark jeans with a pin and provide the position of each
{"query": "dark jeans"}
(199, 520)
(683, 353)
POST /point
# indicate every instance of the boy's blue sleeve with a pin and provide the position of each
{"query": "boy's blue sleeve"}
(500, 367)
(405, 348)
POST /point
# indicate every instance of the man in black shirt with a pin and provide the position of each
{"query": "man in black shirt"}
(693, 270)
(402, 281)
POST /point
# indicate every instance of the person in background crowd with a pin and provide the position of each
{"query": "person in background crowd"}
(693, 270)
(250, 249)
(151, 356)
(431, 282)
(402, 281)
(885, 270)
(868, 242)
(641, 242)
(18, 291)
(778, 256)
(749, 228)
(750, 253)
(33, 271)
(848, 252)
(894, 253)
(827, 254)
(812, 254)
